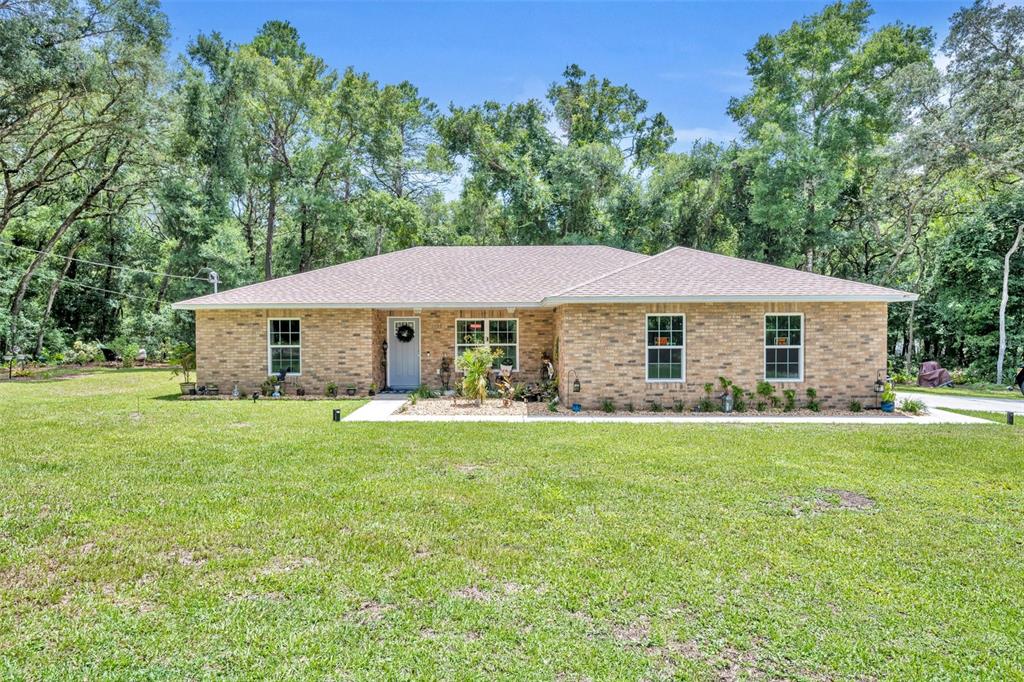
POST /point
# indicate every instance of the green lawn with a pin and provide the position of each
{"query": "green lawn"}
(968, 390)
(998, 417)
(145, 537)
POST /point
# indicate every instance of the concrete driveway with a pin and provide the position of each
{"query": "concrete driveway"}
(957, 402)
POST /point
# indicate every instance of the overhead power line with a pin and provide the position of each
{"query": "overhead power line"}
(75, 283)
(105, 265)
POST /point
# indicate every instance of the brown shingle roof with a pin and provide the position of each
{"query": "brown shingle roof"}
(431, 276)
(501, 276)
(687, 274)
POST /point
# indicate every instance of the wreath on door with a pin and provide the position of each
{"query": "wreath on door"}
(405, 333)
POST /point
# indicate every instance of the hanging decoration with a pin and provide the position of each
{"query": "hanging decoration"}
(405, 333)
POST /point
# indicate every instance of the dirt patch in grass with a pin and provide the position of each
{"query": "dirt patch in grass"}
(473, 593)
(183, 557)
(847, 500)
(828, 500)
(284, 565)
(371, 611)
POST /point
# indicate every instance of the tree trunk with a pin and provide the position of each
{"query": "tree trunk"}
(303, 228)
(268, 266)
(26, 279)
(54, 288)
(161, 292)
(908, 351)
(1004, 300)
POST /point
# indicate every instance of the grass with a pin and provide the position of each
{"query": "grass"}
(149, 538)
(998, 417)
(967, 390)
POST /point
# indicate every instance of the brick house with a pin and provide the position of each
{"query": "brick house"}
(628, 327)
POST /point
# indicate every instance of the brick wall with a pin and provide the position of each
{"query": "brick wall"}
(844, 347)
(231, 347)
(437, 337)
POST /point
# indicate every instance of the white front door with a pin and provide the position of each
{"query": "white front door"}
(403, 355)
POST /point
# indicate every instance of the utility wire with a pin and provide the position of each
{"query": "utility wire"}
(74, 283)
(105, 265)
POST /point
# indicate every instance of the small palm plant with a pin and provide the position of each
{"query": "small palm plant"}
(475, 364)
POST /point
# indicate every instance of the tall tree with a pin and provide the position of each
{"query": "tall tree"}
(819, 105)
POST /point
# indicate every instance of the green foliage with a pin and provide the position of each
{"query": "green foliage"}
(423, 391)
(789, 397)
(656, 406)
(608, 405)
(330, 390)
(859, 158)
(739, 398)
(475, 365)
(678, 406)
(855, 406)
(182, 359)
(812, 400)
(912, 406)
(83, 352)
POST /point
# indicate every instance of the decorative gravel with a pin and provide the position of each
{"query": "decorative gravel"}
(446, 406)
(541, 410)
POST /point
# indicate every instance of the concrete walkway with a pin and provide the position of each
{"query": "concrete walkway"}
(959, 402)
(380, 408)
(384, 410)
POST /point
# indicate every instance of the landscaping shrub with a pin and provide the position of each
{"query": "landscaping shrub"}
(82, 352)
(656, 406)
(423, 391)
(707, 403)
(739, 398)
(913, 406)
(678, 406)
(608, 405)
(812, 400)
(475, 365)
(790, 395)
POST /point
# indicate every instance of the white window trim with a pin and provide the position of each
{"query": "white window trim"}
(682, 379)
(765, 346)
(487, 333)
(271, 320)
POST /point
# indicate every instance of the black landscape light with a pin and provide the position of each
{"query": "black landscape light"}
(576, 387)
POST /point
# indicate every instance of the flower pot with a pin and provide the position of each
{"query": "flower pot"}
(888, 406)
(371, 392)
(188, 387)
(506, 370)
(350, 391)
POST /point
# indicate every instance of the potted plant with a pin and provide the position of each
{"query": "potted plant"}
(350, 390)
(183, 362)
(888, 398)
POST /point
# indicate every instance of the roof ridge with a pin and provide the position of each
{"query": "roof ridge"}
(616, 271)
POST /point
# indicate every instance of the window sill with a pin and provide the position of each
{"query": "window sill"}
(666, 381)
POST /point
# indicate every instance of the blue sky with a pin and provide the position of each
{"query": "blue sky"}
(685, 58)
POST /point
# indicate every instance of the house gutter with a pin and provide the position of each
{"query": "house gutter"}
(552, 301)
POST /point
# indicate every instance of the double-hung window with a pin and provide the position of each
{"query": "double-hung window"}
(784, 347)
(284, 346)
(666, 348)
(499, 334)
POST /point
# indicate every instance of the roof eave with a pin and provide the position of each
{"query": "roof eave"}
(895, 297)
(196, 305)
